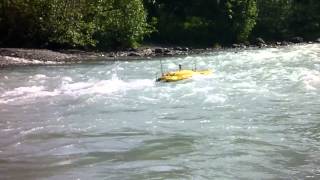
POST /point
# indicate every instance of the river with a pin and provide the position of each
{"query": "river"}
(256, 117)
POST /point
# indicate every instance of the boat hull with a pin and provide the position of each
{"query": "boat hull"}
(182, 75)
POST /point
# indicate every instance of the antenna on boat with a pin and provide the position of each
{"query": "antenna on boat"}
(195, 65)
(161, 67)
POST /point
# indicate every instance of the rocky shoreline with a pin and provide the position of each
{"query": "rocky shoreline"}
(26, 57)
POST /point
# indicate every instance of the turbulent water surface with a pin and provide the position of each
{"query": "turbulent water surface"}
(256, 117)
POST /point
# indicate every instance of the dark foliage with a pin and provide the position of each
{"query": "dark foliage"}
(72, 23)
(124, 23)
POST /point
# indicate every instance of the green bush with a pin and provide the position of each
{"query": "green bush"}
(81, 23)
(305, 19)
(203, 21)
(120, 23)
(273, 19)
(243, 15)
(108, 24)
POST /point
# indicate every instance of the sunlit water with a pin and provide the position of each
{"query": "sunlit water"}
(256, 117)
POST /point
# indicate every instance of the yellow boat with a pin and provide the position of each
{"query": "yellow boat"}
(181, 75)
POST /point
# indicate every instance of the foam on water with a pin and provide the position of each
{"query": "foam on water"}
(113, 85)
(311, 79)
(70, 88)
(26, 93)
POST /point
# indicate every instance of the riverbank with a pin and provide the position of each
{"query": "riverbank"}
(26, 57)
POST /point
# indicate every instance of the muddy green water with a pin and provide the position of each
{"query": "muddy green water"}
(256, 117)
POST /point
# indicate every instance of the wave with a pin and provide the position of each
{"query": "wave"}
(311, 79)
(70, 88)
(26, 93)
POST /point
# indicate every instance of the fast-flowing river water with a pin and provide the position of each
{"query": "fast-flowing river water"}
(256, 117)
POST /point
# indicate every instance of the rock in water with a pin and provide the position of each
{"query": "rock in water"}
(135, 54)
(297, 39)
(236, 46)
(147, 52)
(259, 40)
(159, 51)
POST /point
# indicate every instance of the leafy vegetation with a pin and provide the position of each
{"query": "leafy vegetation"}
(73, 23)
(282, 19)
(305, 18)
(108, 24)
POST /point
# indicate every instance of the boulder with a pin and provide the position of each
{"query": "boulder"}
(159, 51)
(262, 45)
(147, 52)
(112, 55)
(259, 40)
(297, 39)
(318, 40)
(136, 54)
(166, 50)
(185, 49)
(236, 46)
(284, 43)
(242, 45)
(132, 49)
(122, 54)
(170, 53)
